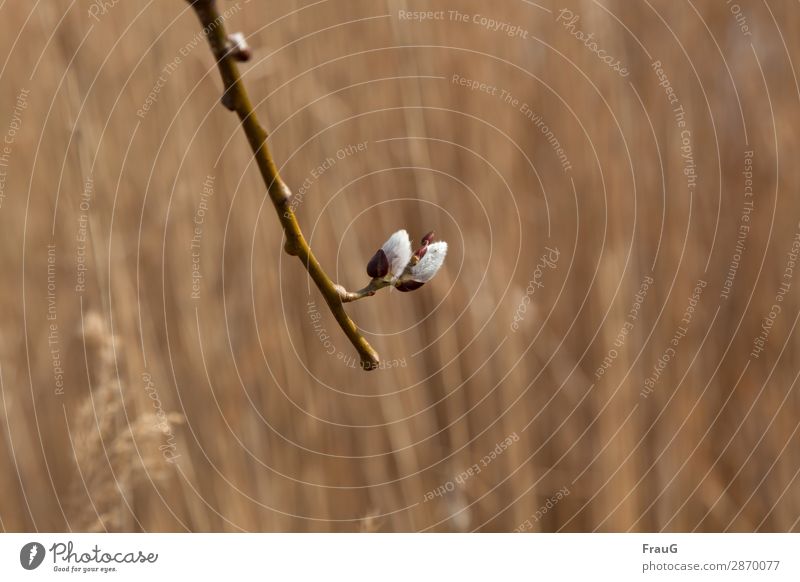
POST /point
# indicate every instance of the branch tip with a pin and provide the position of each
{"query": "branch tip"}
(227, 50)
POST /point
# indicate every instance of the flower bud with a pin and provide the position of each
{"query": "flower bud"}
(398, 253)
(396, 264)
(239, 48)
(430, 262)
(378, 266)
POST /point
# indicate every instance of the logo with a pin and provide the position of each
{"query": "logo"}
(31, 555)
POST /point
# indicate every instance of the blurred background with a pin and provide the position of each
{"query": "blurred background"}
(610, 346)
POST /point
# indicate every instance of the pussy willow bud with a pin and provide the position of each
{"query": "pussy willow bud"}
(397, 265)
(431, 259)
(240, 50)
(398, 253)
(378, 266)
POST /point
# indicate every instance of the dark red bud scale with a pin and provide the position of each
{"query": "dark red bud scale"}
(242, 54)
(407, 286)
(426, 240)
(378, 266)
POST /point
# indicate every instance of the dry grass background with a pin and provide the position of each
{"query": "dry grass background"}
(267, 431)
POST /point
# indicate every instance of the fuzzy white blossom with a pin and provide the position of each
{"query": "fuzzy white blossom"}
(398, 252)
(430, 263)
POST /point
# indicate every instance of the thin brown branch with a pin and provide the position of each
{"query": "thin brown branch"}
(236, 99)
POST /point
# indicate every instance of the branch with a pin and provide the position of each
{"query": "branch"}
(235, 98)
(368, 291)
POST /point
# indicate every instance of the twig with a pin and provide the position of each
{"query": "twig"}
(236, 99)
(368, 291)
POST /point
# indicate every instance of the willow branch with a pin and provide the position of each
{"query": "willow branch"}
(236, 99)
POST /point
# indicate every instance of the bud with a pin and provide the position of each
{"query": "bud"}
(378, 266)
(239, 49)
(398, 253)
(429, 263)
(395, 264)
